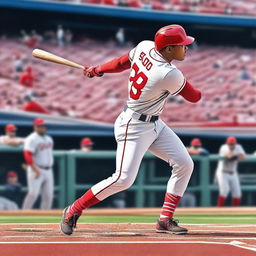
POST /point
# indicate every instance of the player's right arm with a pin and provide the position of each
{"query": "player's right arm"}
(29, 150)
(114, 66)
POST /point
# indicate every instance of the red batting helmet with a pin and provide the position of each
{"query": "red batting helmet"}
(231, 140)
(10, 128)
(196, 142)
(39, 122)
(172, 35)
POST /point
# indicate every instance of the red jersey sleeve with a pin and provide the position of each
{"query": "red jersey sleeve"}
(190, 93)
(28, 157)
(116, 65)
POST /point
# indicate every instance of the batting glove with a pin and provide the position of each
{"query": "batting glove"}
(91, 71)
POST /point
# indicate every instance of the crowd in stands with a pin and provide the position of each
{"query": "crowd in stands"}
(225, 75)
(227, 7)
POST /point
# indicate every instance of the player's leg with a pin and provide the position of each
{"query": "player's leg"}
(47, 190)
(169, 147)
(224, 188)
(235, 190)
(34, 186)
(133, 140)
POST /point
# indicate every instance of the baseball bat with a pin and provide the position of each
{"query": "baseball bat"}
(44, 55)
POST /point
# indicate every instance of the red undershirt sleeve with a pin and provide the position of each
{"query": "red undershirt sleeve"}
(28, 157)
(190, 93)
(116, 65)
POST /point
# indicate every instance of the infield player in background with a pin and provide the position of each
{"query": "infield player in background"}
(38, 153)
(226, 173)
(138, 128)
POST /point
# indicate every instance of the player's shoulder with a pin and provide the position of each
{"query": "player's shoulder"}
(224, 146)
(32, 136)
(173, 71)
(239, 146)
(146, 43)
(49, 137)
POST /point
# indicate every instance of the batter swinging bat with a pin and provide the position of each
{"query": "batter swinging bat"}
(44, 55)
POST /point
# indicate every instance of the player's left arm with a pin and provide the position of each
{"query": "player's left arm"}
(114, 66)
(176, 84)
(190, 93)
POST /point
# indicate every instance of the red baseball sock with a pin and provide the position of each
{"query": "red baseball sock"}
(170, 203)
(85, 201)
(221, 201)
(236, 201)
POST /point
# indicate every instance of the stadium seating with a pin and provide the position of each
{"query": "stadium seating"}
(234, 7)
(64, 91)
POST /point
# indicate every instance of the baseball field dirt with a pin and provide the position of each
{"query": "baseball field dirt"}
(22, 233)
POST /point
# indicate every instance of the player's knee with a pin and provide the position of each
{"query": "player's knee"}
(32, 197)
(48, 197)
(187, 165)
(124, 183)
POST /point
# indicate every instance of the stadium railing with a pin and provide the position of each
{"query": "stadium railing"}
(148, 170)
(147, 183)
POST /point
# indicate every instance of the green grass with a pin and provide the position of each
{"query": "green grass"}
(191, 219)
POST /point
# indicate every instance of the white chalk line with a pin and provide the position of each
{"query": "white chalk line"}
(112, 242)
(223, 231)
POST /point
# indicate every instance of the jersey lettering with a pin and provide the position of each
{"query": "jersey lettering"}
(145, 61)
(139, 81)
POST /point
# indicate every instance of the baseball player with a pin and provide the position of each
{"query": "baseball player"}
(196, 148)
(226, 173)
(10, 138)
(86, 144)
(38, 153)
(138, 128)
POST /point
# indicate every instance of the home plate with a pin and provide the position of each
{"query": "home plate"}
(236, 242)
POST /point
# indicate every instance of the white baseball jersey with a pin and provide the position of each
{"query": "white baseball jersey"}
(3, 139)
(152, 80)
(229, 165)
(41, 147)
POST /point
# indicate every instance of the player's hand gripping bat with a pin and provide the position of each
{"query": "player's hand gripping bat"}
(44, 55)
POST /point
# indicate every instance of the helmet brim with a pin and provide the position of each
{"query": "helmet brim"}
(188, 40)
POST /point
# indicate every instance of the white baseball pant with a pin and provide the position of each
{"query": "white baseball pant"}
(134, 138)
(44, 185)
(228, 182)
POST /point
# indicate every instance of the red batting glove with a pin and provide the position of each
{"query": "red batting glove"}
(91, 71)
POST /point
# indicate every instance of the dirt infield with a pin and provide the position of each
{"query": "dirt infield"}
(128, 239)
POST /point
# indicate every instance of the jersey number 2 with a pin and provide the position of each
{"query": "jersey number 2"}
(139, 80)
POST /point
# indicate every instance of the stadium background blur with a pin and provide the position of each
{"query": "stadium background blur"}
(221, 63)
